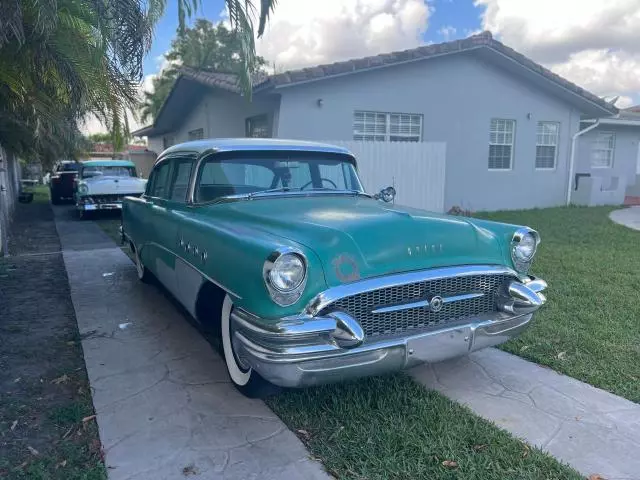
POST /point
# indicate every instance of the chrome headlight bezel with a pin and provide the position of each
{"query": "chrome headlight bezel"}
(522, 262)
(83, 189)
(283, 297)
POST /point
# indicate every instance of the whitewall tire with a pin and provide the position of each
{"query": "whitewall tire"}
(244, 378)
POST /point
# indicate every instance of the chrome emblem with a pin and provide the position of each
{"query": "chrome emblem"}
(436, 304)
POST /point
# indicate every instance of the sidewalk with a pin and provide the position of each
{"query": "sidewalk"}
(165, 408)
(594, 431)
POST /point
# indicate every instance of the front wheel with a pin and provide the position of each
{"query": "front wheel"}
(143, 274)
(244, 378)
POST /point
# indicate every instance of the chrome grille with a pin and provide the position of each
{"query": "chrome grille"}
(360, 305)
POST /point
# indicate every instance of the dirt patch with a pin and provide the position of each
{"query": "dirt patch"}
(44, 392)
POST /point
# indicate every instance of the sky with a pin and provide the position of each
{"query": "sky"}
(594, 43)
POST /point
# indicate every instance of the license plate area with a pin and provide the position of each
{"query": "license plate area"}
(439, 345)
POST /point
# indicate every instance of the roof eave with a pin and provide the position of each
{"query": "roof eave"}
(613, 121)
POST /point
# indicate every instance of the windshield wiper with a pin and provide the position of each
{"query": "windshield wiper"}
(269, 190)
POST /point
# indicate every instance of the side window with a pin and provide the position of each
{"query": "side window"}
(157, 186)
(180, 180)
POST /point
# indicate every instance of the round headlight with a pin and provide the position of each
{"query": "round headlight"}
(288, 272)
(83, 189)
(523, 247)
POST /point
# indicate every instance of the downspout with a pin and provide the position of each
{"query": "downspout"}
(573, 156)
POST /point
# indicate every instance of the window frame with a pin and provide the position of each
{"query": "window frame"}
(512, 144)
(594, 149)
(173, 176)
(556, 146)
(151, 181)
(387, 125)
(196, 175)
(195, 134)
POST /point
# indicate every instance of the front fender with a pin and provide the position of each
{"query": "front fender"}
(235, 256)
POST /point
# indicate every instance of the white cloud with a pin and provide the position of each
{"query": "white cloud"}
(448, 32)
(309, 33)
(593, 43)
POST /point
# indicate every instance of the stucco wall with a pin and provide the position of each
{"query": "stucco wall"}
(458, 96)
(220, 115)
(625, 153)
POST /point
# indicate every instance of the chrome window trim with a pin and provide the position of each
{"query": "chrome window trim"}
(204, 155)
(323, 299)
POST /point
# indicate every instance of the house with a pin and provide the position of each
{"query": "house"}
(608, 160)
(508, 123)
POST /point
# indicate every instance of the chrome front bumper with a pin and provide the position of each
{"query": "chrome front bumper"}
(309, 350)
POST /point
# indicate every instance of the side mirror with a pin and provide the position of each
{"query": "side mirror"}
(386, 194)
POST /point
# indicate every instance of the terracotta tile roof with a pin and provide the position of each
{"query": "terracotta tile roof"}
(229, 81)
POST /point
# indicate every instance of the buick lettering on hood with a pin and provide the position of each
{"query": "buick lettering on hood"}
(275, 247)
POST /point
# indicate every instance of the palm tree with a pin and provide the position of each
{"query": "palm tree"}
(204, 46)
(241, 15)
(63, 59)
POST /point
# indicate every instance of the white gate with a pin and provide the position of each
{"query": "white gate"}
(415, 170)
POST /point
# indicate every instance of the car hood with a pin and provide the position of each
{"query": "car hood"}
(357, 237)
(105, 185)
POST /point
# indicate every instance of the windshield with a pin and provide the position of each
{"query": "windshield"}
(112, 171)
(275, 172)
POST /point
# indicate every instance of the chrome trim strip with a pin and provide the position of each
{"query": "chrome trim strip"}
(426, 303)
(320, 301)
(229, 291)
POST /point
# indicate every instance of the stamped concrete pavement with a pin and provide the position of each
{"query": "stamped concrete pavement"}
(165, 407)
(594, 431)
(629, 217)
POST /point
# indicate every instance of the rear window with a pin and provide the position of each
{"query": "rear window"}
(68, 167)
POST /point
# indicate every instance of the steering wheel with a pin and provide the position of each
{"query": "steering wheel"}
(322, 180)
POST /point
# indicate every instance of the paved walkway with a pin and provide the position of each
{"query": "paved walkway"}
(629, 217)
(594, 431)
(165, 408)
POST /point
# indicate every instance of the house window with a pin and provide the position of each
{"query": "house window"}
(501, 136)
(197, 134)
(257, 127)
(387, 127)
(547, 145)
(168, 141)
(602, 150)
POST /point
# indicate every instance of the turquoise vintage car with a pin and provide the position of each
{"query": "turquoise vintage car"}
(275, 246)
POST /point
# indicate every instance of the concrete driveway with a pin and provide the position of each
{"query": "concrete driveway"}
(629, 217)
(165, 407)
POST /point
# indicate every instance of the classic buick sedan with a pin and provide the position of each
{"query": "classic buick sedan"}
(275, 246)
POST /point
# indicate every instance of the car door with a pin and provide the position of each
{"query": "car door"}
(155, 250)
(188, 253)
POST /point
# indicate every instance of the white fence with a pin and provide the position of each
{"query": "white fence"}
(415, 170)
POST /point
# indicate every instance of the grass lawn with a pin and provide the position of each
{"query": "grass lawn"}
(47, 428)
(392, 428)
(590, 328)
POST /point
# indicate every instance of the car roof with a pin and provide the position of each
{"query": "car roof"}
(253, 144)
(108, 163)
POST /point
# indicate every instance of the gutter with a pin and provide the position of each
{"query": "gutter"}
(573, 156)
(615, 121)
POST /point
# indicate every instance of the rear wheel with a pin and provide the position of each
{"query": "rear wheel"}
(244, 378)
